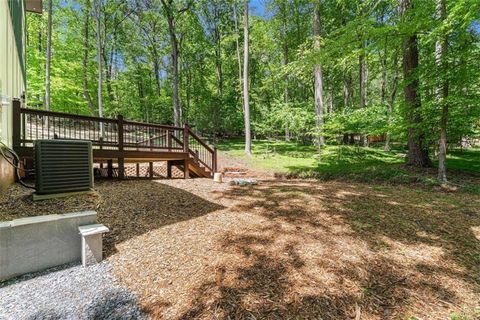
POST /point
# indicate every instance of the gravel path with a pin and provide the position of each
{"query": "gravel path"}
(68, 292)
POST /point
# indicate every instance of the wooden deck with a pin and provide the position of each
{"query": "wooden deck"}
(116, 140)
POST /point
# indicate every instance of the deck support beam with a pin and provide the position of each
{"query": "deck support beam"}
(121, 168)
(121, 160)
(169, 170)
(186, 170)
(110, 168)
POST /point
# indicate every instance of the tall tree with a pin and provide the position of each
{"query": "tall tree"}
(417, 148)
(147, 20)
(86, 48)
(391, 100)
(237, 47)
(362, 75)
(317, 71)
(441, 48)
(284, 16)
(172, 13)
(98, 12)
(49, 56)
(246, 102)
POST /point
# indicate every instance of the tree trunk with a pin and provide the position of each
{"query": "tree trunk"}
(237, 36)
(283, 9)
(391, 101)
(99, 62)
(188, 93)
(320, 139)
(49, 56)
(141, 95)
(156, 69)
(218, 58)
(86, 45)
(345, 91)
(417, 149)
(285, 90)
(362, 77)
(246, 105)
(329, 99)
(108, 75)
(362, 72)
(40, 37)
(441, 48)
(383, 85)
(177, 110)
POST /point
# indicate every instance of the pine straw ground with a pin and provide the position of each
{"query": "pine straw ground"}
(287, 249)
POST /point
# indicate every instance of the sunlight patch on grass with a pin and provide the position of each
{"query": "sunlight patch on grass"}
(293, 160)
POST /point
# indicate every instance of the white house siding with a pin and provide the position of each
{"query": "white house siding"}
(12, 82)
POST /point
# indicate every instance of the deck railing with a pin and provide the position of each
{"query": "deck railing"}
(109, 134)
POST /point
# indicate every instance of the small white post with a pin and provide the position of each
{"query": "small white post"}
(92, 243)
(218, 177)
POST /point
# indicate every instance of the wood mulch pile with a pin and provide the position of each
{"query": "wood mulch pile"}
(286, 249)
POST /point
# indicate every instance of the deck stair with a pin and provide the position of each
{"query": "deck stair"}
(195, 170)
(116, 140)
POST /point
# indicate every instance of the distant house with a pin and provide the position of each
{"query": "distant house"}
(12, 69)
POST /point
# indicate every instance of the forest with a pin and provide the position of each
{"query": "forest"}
(403, 73)
(244, 159)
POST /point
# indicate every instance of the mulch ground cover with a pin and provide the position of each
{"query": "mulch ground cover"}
(285, 249)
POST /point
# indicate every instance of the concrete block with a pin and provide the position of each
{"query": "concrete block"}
(37, 243)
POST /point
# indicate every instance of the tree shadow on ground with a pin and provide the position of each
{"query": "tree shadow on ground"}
(329, 252)
(113, 304)
(132, 208)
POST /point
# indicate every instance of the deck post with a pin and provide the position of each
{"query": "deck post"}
(186, 170)
(150, 169)
(121, 160)
(195, 157)
(16, 125)
(214, 160)
(138, 169)
(169, 170)
(185, 138)
(169, 140)
(121, 168)
(110, 168)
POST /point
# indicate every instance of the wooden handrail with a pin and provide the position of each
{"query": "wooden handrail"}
(213, 152)
(180, 142)
(200, 140)
(151, 138)
(65, 115)
(118, 136)
(152, 125)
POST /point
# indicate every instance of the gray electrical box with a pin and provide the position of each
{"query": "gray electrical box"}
(63, 166)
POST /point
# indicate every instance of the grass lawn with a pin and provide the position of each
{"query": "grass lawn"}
(350, 162)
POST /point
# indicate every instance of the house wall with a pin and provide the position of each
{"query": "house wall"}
(12, 73)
